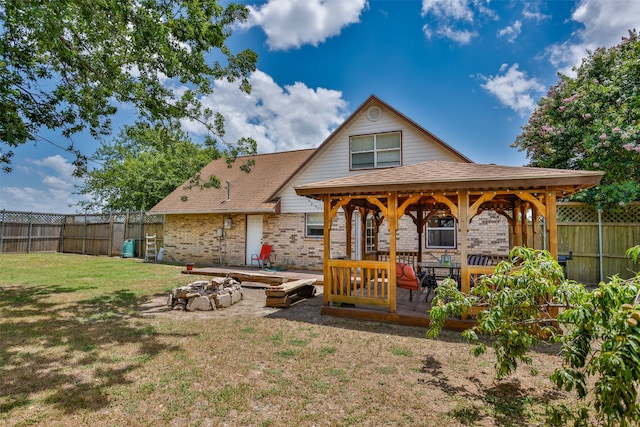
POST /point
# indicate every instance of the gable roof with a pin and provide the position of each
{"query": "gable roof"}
(450, 176)
(250, 192)
(373, 100)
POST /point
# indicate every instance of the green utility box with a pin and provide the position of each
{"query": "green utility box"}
(129, 248)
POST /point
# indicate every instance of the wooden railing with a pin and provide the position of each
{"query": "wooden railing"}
(358, 282)
(477, 271)
(405, 257)
(366, 282)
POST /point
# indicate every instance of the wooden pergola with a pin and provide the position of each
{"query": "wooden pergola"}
(420, 190)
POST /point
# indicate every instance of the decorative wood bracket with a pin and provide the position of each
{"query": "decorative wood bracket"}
(444, 199)
(340, 203)
(473, 209)
(528, 197)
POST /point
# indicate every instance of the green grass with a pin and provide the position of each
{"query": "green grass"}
(76, 350)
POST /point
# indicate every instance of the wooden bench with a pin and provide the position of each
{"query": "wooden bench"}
(282, 295)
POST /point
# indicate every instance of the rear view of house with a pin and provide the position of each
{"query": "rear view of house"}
(227, 226)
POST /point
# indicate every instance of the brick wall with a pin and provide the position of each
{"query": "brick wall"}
(290, 245)
(194, 238)
(488, 235)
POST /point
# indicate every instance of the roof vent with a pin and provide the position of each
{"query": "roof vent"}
(374, 113)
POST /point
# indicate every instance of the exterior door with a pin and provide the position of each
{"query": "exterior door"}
(254, 236)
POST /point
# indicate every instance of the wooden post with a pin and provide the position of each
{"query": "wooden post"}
(524, 225)
(348, 217)
(377, 221)
(420, 227)
(392, 219)
(535, 227)
(463, 231)
(551, 222)
(328, 280)
(110, 242)
(517, 229)
(363, 233)
(552, 228)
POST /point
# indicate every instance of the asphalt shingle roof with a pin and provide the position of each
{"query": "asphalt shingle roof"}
(250, 192)
(440, 175)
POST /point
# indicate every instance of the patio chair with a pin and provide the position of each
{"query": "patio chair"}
(263, 257)
(406, 278)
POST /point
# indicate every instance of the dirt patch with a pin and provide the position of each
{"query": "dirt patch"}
(251, 305)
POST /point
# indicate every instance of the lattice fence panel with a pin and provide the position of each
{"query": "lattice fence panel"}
(629, 215)
(576, 212)
(579, 212)
(31, 217)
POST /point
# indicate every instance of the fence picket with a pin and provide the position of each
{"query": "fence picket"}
(90, 234)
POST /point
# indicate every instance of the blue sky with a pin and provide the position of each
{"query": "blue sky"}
(469, 71)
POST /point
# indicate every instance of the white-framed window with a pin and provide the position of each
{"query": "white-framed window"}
(314, 224)
(370, 242)
(380, 150)
(441, 232)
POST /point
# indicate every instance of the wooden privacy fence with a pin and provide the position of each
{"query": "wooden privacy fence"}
(598, 240)
(88, 234)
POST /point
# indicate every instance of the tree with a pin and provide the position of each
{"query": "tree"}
(600, 339)
(68, 65)
(592, 122)
(143, 165)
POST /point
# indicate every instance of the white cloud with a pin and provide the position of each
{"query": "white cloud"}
(604, 23)
(513, 89)
(53, 193)
(458, 36)
(531, 11)
(278, 118)
(59, 164)
(450, 15)
(292, 23)
(511, 32)
(456, 9)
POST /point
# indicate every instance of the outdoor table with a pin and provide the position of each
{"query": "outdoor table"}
(440, 270)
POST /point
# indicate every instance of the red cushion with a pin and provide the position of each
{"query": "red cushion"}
(406, 277)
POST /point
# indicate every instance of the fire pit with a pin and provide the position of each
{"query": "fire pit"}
(203, 295)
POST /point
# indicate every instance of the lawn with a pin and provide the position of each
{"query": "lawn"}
(77, 350)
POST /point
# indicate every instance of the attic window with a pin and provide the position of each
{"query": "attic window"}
(374, 113)
(381, 150)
